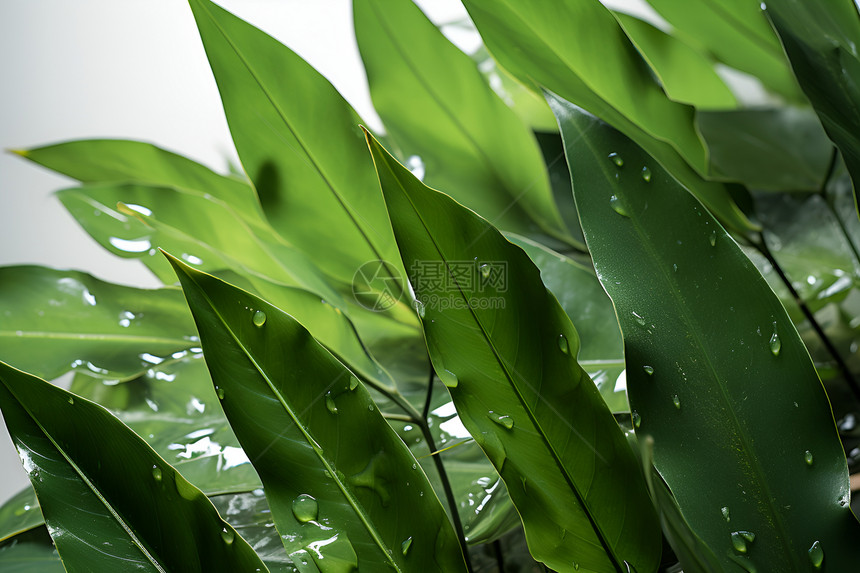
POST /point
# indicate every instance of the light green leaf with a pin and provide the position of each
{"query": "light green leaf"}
(820, 39)
(686, 74)
(736, 33)
(20, 513)
(470, 143)
(551, 43)
(30, 552)
(55, 321)
(715, 368)
(118, 506)
(506, 350)
(300, 144)
(341, 485)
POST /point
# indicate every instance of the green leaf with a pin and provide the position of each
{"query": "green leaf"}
(686, 74)
(779, 149)
(506, 350)
(471, 144)
(20, 513)
(341, 484)
(726, 370)
(820, 39)
(124, 161)
(30, 552)
(55, 321)
(250, 514)
(580, 294)
(118, 506)
(132, 220)
(299, 142)
(615, 84)
(736, 33)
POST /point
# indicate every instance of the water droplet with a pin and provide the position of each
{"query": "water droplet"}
(713, 238)
(419, 308)
(616, 159)
(414, 466)
(353, 383)
(185, 489)
(563, 344)
(305, 508)
(228, 535)
(220, 393)
(816, 555)
(748, 535)
(744, 563)
(775, 343)
(640, 320)
(738, 542)
(637, 419)
(649, 370)
(676, 401)
(485, 272)
(618, 206)
(448, 378)
(808, 457)
(71, 400)
(329, 403)
(370, 407)
(725, 512)
(156, 473)
(259, 318)
(646, 174)
(505, 421)
(406, 545)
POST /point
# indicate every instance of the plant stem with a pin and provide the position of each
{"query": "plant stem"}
(761, 245)
(429, 397)
(500, 559)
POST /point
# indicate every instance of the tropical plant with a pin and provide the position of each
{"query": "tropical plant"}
(395, 351)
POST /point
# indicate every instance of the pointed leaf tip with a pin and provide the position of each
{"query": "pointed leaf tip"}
(20, 152)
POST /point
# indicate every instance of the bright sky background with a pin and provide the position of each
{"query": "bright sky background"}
(132, 69)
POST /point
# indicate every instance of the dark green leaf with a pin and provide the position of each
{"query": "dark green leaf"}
(736, 33)
(505, 348)
(118, 506)
(471, 144)
(300, 144)
(686, 74)
(820, 39)
(715, 368)
(55, 321)
(779, 149)
(341, 484)
(614, 83)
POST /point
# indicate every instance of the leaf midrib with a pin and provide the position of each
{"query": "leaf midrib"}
(308, 438)
(539, 431)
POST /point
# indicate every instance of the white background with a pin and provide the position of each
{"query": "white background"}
(131, 69)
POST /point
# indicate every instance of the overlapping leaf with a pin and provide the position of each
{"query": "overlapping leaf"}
(342, 487)
(578, 50)
(714, 364)
(98, 517)
(505, 348)
(299, 142)
(55, 321)
(469, 141)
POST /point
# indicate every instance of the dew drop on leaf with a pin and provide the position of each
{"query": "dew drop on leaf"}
(448, 378)
(227, 535)
(71, 400)
(353, 383)
(505, 421)
(305, 508)
(738, 542)
(640, 320)
(419, 308)
(156, 473)
(220, 393)
(485, 272)
(618, 206)
(775, 342)
(807, 456)
(816, 555)
(637, 419)
(649, 370)
(259, 318)
(616, 159)
(725, 512)
(646, 174)
(563, 344)
(712, 238)
(406, 545)
(677, 401)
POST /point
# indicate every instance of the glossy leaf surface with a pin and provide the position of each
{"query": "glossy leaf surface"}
(99, 518)
(54, 321)
(299, 142)
(714, 366)
(469, 142)
(20, 513)
(551, 43)
(736, 33)
(342, 487)
(820, 39)
(506, 350)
